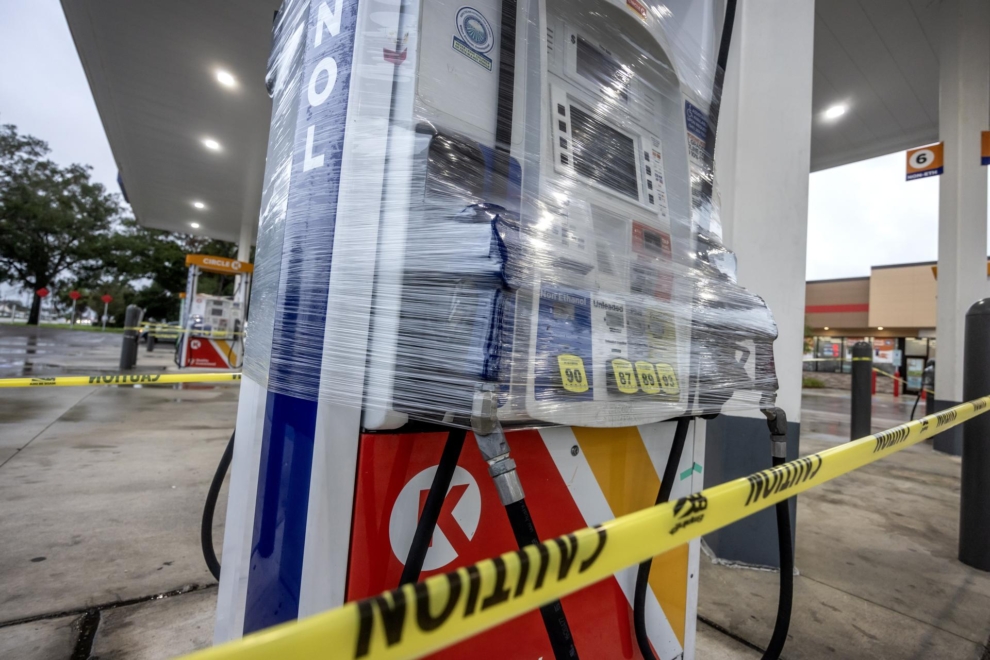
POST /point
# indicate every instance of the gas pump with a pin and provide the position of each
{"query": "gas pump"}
(483, 292)
(213, 326)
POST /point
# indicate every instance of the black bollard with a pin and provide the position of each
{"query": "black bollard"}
(974, 498)
(862, 390)
(132, 334)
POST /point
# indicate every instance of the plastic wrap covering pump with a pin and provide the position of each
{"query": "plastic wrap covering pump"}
(706, 368)
(520, 245)
(488, 432)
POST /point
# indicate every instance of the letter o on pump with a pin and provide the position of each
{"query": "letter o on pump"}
(329, 65)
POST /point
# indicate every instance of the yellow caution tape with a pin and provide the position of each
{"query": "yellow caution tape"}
(423, 618)
(165, 330)
(119, 379)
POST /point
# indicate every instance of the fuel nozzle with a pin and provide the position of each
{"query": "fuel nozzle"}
(777, 422)
(494, 448)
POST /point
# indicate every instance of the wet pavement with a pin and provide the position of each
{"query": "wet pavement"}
(828, 411)
(27, 351)
(101, 492)
(876, 557)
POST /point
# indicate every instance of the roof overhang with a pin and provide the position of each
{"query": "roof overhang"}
(152, 69)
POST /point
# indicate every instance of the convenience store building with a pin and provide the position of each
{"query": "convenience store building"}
(894, 309)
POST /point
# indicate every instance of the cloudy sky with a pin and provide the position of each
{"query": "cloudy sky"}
(43, 90)
(859, 215)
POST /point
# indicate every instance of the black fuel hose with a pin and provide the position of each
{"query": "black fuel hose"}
(561, 640)
(206, 527)
(559, 632)
(786, 599)
(643, 574)
(431, 509)
(914, 408)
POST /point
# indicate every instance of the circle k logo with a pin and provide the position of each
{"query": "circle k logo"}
(195, 344)
(456, 525)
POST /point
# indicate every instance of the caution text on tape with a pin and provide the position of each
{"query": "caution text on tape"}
(119, 379)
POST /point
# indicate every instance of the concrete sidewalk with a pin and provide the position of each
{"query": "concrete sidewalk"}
(102, 490)
(876, 553)
(101, 493)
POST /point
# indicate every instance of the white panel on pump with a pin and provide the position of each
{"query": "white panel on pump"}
(458, 66)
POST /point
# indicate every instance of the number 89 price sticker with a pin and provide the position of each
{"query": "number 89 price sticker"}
(647, 377)
(925, 161)
(572, 373)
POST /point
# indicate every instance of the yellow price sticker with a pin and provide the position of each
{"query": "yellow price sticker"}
(647, 377)
(625, 377)
(572, 373)
(668, 379)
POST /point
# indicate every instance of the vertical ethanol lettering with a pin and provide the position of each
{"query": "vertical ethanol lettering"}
(318, 118)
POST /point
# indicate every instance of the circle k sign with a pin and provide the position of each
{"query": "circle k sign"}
(456, 525)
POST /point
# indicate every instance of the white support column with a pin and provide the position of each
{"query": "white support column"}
(763, 156)
(762, 162)
(964, 111)
(249, 226)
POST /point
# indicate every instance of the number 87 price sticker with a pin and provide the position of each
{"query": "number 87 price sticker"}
(572, 373)
(625, 377)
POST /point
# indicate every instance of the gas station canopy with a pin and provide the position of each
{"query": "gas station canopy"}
(153, 69)
(180, 135)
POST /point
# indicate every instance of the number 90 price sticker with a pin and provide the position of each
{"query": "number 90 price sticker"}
(572, 373)
(925, 161)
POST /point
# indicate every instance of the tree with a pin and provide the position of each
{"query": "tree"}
(137, 253)
(52, 219)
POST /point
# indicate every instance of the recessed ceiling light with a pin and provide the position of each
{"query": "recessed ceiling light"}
(226, 79)
(199, 205)
(212, 144)
(194, 225)
(826, 327)
(880, 327)
(836, 111)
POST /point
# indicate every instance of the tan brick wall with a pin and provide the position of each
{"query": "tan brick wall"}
(825, 299)
(903, 297)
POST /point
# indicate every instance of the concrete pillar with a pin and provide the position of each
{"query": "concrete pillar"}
(964, 111)
(763, 159)
(249, 226)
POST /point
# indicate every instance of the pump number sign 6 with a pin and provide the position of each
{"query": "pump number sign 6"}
(572, 373)
(924, 162)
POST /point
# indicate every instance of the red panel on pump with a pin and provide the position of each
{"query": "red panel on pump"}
(395, 472)
(203, 352)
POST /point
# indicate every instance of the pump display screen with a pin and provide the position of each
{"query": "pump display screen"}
(598, 67)
(603, 154)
